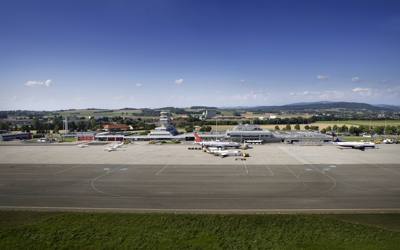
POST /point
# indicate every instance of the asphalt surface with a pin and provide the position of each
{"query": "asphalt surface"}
(235, 187)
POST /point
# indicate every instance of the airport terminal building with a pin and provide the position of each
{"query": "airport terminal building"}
(243, 133)
(251, 133)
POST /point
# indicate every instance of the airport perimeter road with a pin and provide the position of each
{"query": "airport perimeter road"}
(237, 187)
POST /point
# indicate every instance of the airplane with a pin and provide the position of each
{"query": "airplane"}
(223, 153)
(83, 145)
(217, 143)
(114, 147)
(388, 141)
(356, 145)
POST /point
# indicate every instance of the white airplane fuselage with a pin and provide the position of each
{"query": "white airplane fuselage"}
(218, 144)
(356, 145)
(223, 153)
(114, 147)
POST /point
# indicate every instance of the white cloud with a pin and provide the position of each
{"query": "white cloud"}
(179, 81)
(362, 91)
(318, 95)
(355, 79)
(46, 83)
(304, 93)
(322, 77)
(139, 85)
(252, 95)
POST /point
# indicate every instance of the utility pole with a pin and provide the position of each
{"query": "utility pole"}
(66, 124)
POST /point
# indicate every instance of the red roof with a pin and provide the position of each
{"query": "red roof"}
(116, 126)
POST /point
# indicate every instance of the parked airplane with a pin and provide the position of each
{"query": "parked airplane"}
(388, 141)
(223, 153)
(216, 143)
(356, 145)
(114, 147)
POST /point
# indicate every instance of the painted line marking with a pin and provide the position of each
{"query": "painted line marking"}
(93, 181)
(271, 173)
(324, 173)
(296, 157)
(277, 211)
(245, 167)
(161, 170)
(65, 170)
(296, 176)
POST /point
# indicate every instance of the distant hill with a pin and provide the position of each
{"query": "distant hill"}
(318, 106)
(391, 107)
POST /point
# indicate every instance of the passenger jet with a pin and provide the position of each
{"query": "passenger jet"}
(216, 143)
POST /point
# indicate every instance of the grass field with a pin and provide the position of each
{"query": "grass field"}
(361, 122)
(48, 230)
(355, 138)
(94, 112)
(69, 139)
(321, 124)
(222, 128)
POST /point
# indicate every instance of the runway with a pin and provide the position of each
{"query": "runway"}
(237, 187)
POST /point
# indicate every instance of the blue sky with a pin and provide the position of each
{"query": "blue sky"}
(115, 54)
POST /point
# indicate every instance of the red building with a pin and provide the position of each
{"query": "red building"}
(85, 136)
(115, 127)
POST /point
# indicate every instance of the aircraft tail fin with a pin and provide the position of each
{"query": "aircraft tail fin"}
(197, 138)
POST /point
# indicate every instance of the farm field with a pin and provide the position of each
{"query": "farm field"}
(361, 122)
(70, 230)
(320, 124)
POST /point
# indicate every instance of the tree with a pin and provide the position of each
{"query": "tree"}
(37, 125)
(391, 130)
(344, 129)
(72, 126)
(297, 126)
(82, 126)
(329, 128)
(189, 128)
(379, 130)
(335, 128)
(288, 127)
(92, 124)
(4, 126)
(56, 128)
(277, 127)
(26, 128)
(306, 127)
(205, 128)
(323, 130)
(354, 130)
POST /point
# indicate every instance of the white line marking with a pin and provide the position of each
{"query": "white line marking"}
(386, 169)
(301, 160)
(291, 171)
(193, 210)
(295, 175)
(271, 173)
(92, 182)
(324, 173)
(65, 170)
(161, 170)
(245, 167)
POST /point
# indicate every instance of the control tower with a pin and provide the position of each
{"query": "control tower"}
(166, 127)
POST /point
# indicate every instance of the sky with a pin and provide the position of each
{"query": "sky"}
(117, 54)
